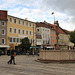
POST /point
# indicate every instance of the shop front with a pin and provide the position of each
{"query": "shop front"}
(4, 49)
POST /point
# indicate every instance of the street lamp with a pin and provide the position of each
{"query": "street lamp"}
(53, 15)
(57, 32)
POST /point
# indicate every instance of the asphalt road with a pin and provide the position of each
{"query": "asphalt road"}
(26, 65)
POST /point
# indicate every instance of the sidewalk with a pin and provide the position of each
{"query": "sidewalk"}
(26, 65)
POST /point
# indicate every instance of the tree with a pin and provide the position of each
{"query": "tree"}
(72, 37)
(25, 45)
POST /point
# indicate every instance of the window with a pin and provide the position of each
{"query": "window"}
(17, 39)
(23, 23)
(15, 30)
(27, 23)
(20, 39)
(19, 31)
(10, 30)
(19, 21)
(37, 29)
(30, 24)
(3, 23)
(27, 32)
(33, 33)
(10, 39)
(10, 19)
(3, 41)
(33, 41)
(23, 31)
(14, 39)
(3, 32)
(15, 21)
(30, 33)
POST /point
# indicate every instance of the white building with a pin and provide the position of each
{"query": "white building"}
(43, 30)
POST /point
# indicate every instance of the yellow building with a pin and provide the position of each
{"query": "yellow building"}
(18, 28)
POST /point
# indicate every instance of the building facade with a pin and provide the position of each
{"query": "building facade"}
(63, 37)
(38, 41)
(3, 27)
(43, 30)
(52, 35)
(13, 29)
(18, 28)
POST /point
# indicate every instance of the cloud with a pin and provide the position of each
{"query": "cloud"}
(41, 10)
(64, 7)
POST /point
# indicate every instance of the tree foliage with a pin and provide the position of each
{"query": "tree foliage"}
(72, 37)
(25, 45)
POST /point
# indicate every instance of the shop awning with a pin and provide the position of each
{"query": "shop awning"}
(34, 47)
(4, 46)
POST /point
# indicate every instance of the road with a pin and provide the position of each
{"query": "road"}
(26, 65)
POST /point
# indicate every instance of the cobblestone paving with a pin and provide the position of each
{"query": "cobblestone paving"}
(26, 65)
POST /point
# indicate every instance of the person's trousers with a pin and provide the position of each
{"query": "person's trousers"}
(12, 59)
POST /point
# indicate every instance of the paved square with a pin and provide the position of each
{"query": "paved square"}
(26, 65)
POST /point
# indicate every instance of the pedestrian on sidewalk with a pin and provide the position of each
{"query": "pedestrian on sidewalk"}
(13, 54)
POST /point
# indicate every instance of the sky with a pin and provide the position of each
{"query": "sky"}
(40, 10)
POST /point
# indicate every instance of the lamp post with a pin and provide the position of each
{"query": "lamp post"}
(53, 15)
(57, 32)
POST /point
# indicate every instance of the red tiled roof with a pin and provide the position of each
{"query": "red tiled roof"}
(67, 31)
(41, 24)
(54, 28)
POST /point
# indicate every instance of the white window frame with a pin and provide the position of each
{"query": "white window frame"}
(26, 23)
(15, 40)
(14, 20)
(4, 31)
(31, 33)
(20, 31)
(11, 30)
(4, 23)
(33, 25)
(10, 20)
(30, 24)
(26, 32)
(18, 40)
(19, 22)
(23, 22)
(33, 41)
(4, 40)
(12, 40)
(16, 31)
(23, 32)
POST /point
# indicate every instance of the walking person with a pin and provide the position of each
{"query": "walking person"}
(13, 54)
